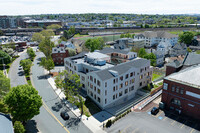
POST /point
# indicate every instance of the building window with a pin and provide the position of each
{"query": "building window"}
(95, 80)
(83, 78)
(91, 78)
(121, 78)
(113, 97)
(98, 83)
(99, 91)
(95, 96)
(126, 76)
(91, 94)
(126, 91)
(140, 83)
(116, 95)
(75, 68)
(91, 86)
(117, 80)
(126, 83)
(121, 86)
(86, 70)
(177, 89)
(114, 89)
(131, 75)
(165, 86)
(99, 100)
(176, 101)
(141, 76)
(182, 90)
(105, 92)
(173, 88)
(83, 85)
(133, 80)
(105, 101)
(95, 88)
(120, 94)
(113, 81)
(105, 84)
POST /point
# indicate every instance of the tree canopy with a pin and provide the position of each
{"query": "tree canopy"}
(23, 102)
(4, 84)
(31, 53)
(186, 37)
(46, 47)
(94, 44)
(71, 51)
(18, 127)
(47, 63)
(5, 57)
(54, 26)
(151, 56)
(37, 37)
(26, 64)
(47, 33)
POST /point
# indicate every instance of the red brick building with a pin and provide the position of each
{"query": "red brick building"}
(181, 92)
(58, 54)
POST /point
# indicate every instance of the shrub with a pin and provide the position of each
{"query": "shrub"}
(108, 123)
(18, 127)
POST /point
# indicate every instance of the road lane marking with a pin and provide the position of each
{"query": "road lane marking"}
(158, 114)
(192, 130)
(183, 124)
(48, 110)
(174, 121)
(126, 128)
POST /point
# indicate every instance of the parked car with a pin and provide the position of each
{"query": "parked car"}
(64, 115)
(154, 110)
(20, 67)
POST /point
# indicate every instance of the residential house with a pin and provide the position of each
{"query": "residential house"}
(108, 84)
(59, 53)
(68, 44)
(181, 92)
(154, 37)
(178, 49)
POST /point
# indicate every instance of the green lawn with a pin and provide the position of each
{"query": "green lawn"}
(105, 38)
(176, 32)
(155, 76)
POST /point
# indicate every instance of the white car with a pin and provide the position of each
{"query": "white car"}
(20, 67)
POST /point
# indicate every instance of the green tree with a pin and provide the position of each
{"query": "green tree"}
(31, 53)
(1, 33)
(189, 50)
(26, 64)
(54, 26)
(46, 47)
(47, 33)
(142, 53)
(94, 44)
(133, 35)
(18, 127)
(4, 84)
(37, 37)
(71, 51)
(72, 30)
(122, 36)
(23, 102)
(186, 37)
(47, 63)
(5, 57)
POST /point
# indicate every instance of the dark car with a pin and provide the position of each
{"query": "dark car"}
(64, 115)
(154, 110)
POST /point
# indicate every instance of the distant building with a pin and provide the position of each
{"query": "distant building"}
(109, 84)
(153, 38)
(190, 59)
(68, 44)
(178, 49)
(40, 23)
(7, 22)
(6, 125)
(181, 92)
(59, 54)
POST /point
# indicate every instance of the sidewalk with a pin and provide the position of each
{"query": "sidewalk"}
(90, 122)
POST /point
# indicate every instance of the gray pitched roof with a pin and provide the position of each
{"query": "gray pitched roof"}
(80, 55)
(160, 34)
(192, 59)
(5, 124)
(111, 50)
(121, 68)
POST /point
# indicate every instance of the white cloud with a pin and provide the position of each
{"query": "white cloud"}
(21, 7)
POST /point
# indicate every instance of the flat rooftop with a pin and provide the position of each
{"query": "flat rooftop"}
(81, 61)
(189, 76)
(97, 55)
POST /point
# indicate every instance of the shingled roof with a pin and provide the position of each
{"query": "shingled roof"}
(121, 68)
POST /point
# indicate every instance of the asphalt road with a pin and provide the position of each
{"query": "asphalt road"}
(49, 120)
(17, 76)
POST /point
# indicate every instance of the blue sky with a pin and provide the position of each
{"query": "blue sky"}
(23, 7)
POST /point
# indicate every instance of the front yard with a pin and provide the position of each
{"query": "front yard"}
(155, 76)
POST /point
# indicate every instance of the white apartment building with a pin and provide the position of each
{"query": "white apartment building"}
(151, 38)
(108, 84)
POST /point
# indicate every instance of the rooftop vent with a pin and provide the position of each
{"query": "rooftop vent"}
(114, 73)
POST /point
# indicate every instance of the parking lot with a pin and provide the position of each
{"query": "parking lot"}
(181, 122)
(163, 122)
